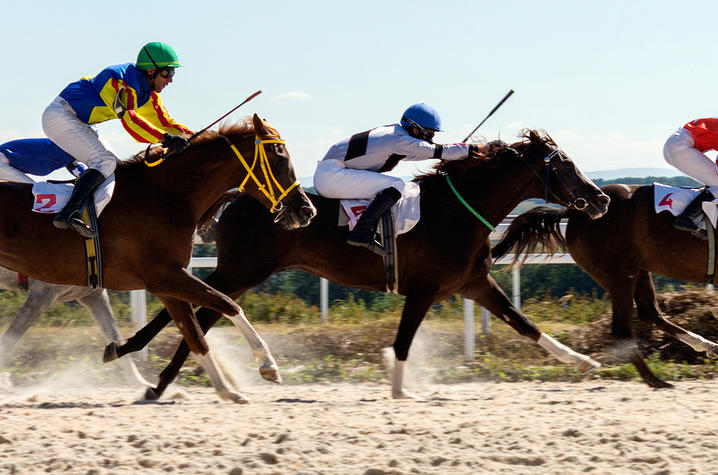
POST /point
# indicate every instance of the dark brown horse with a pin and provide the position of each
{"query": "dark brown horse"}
(446, 253)
(146, 230)
(619, 251)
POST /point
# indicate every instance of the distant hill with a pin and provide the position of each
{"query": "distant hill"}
(630, 172)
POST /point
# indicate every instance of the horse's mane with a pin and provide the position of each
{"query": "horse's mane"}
(495, 156)
(243, 126)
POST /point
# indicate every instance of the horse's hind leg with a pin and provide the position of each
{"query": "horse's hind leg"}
(35, 305)
(622, 293)
(98, 304)
(489, 295)
(182, 311)
(648, 310)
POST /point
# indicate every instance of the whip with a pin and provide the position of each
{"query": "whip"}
(490, 114)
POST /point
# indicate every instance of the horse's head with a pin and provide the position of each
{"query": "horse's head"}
(271, 179)
(562, 181)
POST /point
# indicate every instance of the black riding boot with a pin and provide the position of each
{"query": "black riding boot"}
(70, 216)
(684, 221)
(363, 233)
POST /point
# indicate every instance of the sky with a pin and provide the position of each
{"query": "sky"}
(609, 80)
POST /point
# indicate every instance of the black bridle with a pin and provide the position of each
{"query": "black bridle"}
(576, 203)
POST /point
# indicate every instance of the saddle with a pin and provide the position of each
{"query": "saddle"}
(401, 218)
(675, 200)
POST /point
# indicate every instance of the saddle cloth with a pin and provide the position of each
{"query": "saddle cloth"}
(675, 200)
(50, 197)
(406, 211)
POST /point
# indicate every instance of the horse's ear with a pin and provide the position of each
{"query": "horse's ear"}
(534, 136)
(259, 127)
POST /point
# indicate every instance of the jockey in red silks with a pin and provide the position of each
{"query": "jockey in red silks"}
(129, 92)
(685, 149)
(354, 166)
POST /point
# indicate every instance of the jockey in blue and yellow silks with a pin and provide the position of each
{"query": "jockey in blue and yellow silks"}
(122, 92)
(129, 92)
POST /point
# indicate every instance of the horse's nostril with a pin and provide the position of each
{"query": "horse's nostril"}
(308, 211)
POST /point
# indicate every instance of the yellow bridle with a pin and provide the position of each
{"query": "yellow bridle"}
(260, 156)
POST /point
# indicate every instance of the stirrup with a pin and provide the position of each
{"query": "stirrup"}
(372, 245)
(78, 225)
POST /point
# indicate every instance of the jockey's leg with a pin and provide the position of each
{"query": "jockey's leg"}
(10, 173)
(333, 179)
(680, 151)
(75, 137)
(363, 233)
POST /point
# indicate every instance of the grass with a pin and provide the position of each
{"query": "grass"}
(348, 348)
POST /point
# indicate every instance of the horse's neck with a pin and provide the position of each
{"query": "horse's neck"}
(201, 179)
(498, 195)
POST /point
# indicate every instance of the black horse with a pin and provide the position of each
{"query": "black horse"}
(446, 253)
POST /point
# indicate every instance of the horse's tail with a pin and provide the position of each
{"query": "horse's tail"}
(536, 229)
(204, 226)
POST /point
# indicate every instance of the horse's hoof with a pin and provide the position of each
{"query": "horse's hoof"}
(234, 397)
(271, 374)
(110, 352)
(659, 384)
(712, 351)
(587, 364)
(151, 395)
(405, 395)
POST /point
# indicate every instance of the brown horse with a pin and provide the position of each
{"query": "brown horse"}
(619, 251)
(146, 230)
(446, 253)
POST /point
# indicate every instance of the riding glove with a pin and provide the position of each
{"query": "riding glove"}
(175, 143)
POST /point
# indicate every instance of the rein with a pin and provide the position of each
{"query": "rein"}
(275, 194)
(577, 203)
(468, 206)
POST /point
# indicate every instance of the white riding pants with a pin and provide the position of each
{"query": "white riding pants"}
(10, 173)
(333, 180)
(680, 151)
(75, 137)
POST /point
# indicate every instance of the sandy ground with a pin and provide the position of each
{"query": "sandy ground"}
(591, 427)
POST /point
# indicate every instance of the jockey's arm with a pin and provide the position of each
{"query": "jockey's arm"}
(417, 149)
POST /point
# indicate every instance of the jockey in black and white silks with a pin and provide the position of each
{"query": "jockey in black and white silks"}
(354, 166)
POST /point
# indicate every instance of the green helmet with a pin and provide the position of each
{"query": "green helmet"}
(157, 55)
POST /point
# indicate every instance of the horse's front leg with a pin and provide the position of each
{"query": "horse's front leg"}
(183, 286)
(645, 297)
(269, 369)
(182, 311)
(489, 295)
(416, 305)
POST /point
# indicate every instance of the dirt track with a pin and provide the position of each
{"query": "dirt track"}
(595, 427)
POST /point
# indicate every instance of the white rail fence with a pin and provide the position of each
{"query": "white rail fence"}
(138, 305)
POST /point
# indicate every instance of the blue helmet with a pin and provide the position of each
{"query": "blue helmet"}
(423, 115)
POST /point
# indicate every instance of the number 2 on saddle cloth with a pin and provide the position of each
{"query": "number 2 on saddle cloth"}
(41, 157)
